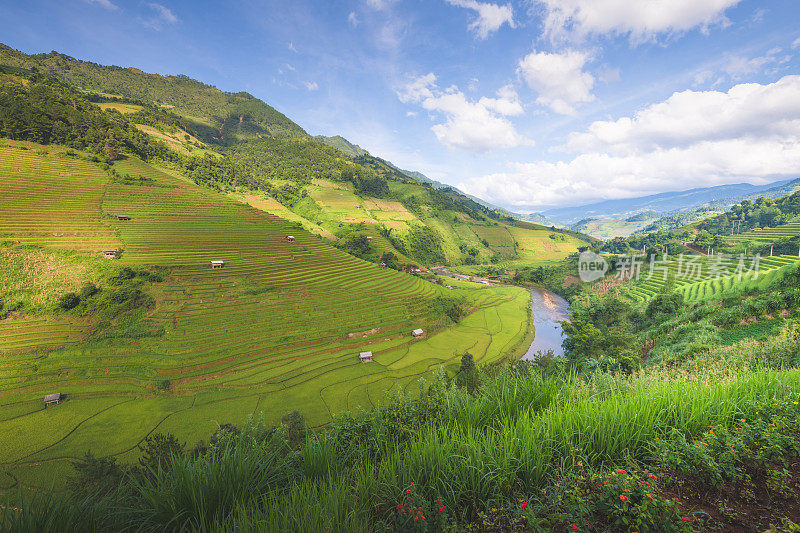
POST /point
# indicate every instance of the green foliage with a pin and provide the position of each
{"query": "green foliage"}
(371, 185)
(425, 245)
(295, 427)
(46, 112)
(467, 375)
(95, 476)
(69, 301)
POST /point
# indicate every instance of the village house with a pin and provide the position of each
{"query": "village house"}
(109, 253)
(289, 239)
(365, 357)
(417, 332)
(123, 218)
(217, 264)
(52, 398)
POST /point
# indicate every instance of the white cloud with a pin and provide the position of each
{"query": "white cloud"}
(693, 139)
(476, 126)
(559, 79)
(796, 43)
(311, 85)
(380, 4)
(489, 17)
(641, 20)
(163, 15)
(352, 19)
(107, 4)
(291, 47)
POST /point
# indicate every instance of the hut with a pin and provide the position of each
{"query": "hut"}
(289, 239)
(52, 398)
(217, 264)
(382, 265)
(369, 239)
(417, 332)
(365, 357)
(109, 253)
(123, 218)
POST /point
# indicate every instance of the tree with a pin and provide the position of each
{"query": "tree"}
(467, 376)
(69, 301)
(295, 427)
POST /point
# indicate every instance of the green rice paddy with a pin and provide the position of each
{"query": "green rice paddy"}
(278, 328)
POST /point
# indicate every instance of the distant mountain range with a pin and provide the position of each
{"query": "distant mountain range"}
(667, 203)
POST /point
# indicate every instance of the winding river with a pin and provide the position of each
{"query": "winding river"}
(548, 310)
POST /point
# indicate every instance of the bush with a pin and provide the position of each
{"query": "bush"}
(88, 290)
(69, 301)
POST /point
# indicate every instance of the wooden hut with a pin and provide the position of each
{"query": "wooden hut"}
(290, 239)
(123, 218)
(52, 398)
(365, 357)
(217, 264)
(417, 332)
(382, 265)
(109, 253)
(369, 239)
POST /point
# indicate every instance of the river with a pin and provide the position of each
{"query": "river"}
(548, 310)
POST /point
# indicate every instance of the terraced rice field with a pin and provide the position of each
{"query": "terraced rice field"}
(52, 199)
(792, 229)
(278, 328)
(707, 277)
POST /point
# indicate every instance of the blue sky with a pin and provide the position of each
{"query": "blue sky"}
(528, 104)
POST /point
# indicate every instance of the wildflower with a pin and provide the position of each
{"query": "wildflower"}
(574, 527)
(623, 497)
(442, 508)
(686, 519)
(416, 519)
(794, 403)
(645, 483)
(649, 495)
(651, 476)
(621, 471)
(524, 505)
(742, 420)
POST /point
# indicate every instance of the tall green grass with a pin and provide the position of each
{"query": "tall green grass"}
(507, 443)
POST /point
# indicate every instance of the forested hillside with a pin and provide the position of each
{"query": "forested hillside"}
(217, 116)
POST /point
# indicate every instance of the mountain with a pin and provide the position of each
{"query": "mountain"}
(343, 145)
(215, 115)
(664, 203)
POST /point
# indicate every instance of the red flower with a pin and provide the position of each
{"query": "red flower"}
(623, 497)
(416, 519)
(651, 476)
(442, 508)
(645, 483)
(650, 496)
(574, 527)
(524, 505)
(686, 519)
(621, 471)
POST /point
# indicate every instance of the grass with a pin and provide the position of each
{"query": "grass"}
(229, 349)
(491, 451)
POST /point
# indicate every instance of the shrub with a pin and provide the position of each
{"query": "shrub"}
(88, 290)
(69, 301)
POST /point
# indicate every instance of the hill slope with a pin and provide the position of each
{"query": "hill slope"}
(220, 116)
(279, 327)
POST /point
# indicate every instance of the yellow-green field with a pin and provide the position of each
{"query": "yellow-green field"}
(333, 205)
(278, 328)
